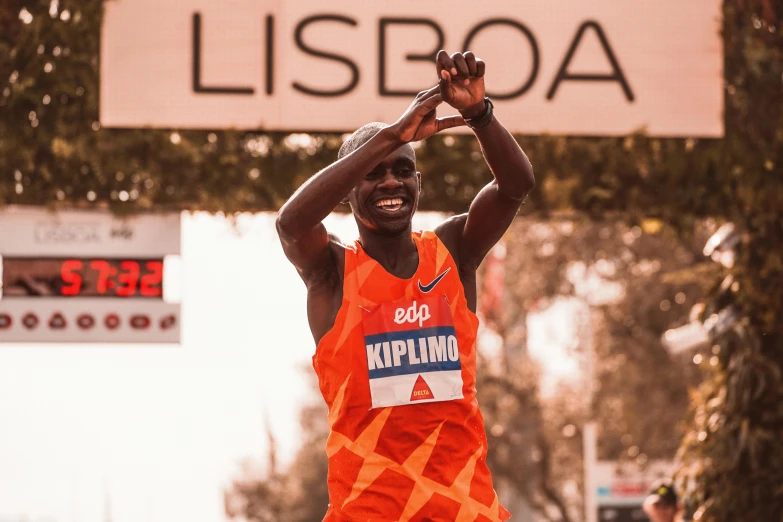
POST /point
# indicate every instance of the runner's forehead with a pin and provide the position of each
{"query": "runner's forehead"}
(402, 154)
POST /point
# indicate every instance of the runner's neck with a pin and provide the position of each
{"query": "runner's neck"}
(397, 255)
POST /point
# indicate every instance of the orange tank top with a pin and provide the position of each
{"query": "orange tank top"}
(398, 374)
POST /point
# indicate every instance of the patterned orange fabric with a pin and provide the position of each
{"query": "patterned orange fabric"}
(411, 463)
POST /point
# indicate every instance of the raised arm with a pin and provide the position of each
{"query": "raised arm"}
(493, 209)
(299, 221)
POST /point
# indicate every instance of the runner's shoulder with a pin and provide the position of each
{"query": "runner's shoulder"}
(337, 251)
(326, 272)
(450, 233)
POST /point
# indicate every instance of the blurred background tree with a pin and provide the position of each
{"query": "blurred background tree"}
(627, 285)
(53, 152)
(298, 493)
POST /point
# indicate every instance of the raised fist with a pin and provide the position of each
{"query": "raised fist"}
(461, 82)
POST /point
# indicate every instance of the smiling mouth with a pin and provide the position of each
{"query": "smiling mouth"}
(389, 204)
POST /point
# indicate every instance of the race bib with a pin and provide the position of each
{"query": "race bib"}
(412, 353)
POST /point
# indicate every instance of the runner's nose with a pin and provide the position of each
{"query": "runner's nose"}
(390, 180)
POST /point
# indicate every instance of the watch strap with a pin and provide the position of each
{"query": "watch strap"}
(484, 119)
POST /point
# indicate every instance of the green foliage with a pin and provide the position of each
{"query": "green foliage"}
(732, 455)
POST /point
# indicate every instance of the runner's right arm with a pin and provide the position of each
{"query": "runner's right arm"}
(299, 222)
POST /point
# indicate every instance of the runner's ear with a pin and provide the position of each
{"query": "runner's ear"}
(347, 199)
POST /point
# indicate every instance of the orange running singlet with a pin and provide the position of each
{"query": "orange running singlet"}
(398, 373)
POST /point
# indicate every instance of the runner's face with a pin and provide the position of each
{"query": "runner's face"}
(385, 200)
(664, 512)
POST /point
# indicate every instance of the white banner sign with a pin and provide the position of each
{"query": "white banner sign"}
(604, 67)
(625, 483)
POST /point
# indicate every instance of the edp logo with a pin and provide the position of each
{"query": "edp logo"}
(412, 314)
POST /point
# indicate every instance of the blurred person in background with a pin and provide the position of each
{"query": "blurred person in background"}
(393, 314)
(661, 505)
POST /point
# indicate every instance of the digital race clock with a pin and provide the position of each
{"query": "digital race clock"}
(87, 276)
(91, 277)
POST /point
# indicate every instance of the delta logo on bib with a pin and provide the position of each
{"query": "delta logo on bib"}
(412, 353)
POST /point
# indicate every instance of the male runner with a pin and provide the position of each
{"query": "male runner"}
(393, 313)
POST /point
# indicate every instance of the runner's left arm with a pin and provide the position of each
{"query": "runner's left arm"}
(493, 209)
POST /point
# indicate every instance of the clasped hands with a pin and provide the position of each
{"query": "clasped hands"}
(460, 84)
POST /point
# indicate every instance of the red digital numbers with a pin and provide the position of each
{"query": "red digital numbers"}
(104, 271)
(111, 277)
(128, 277)
(69, 272)
(151, 283)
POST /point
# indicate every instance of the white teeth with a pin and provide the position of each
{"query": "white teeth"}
(389, 203)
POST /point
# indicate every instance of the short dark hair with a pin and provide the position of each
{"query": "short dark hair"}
(361, 136)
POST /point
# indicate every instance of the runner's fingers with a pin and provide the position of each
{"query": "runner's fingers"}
(430, 103)
(423, 95)
(480, 68)
(461, 65)
(470, 61)
(450, 122)
(445, 62)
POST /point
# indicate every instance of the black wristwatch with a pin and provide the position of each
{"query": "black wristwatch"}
(482, 120)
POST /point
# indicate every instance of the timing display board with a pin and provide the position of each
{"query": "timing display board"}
(89, 277)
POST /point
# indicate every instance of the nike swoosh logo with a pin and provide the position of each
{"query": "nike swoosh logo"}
(429, 287)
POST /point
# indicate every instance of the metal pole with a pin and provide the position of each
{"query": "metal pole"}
(589, 451)
(590, 432)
